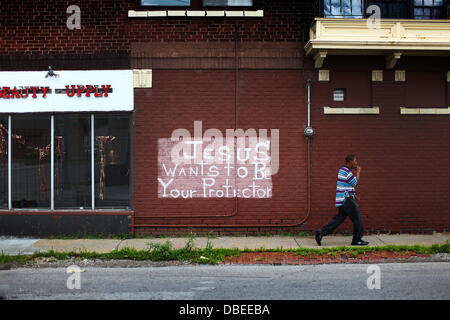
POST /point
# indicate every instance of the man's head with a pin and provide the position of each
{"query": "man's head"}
(350, 161)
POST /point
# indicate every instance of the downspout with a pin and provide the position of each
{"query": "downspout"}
(308, 84)
(309, 131)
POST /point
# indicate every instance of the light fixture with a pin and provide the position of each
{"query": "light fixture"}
(339, 94)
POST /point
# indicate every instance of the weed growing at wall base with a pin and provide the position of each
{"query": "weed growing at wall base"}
(210, 255)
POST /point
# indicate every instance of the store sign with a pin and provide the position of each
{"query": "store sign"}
(68, 91)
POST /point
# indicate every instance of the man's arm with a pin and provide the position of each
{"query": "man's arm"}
(352, 179)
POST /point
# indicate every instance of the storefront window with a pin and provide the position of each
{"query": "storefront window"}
(91, 166)
(112, 161)
(31, 161)
(3, 162)
(72, 161)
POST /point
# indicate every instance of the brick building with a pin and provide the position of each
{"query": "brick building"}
(162, 117)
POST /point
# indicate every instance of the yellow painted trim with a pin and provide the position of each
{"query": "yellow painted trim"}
(425, 111)
(330, 110)
(176, 13)
(400, 75)
(196, 13)
(377, 75)
(393, 39)
(143, 78)
(324, 75)
(233, 13)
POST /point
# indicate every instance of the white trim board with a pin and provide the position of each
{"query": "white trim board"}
(196, 13)
(424, 111)
(330, 110)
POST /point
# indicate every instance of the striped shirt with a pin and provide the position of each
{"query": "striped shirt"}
(346, 184)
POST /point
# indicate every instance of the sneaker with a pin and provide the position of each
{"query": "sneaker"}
(318, 237)
(360, 243)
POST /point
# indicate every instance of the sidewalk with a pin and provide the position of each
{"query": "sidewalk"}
(14, 246)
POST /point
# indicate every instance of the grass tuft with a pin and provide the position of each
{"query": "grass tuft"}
(208, 255)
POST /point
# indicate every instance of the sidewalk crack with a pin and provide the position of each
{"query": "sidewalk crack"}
(117, 247)
(297, 243)
(376, 236)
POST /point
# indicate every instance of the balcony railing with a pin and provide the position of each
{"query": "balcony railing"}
(392, 38)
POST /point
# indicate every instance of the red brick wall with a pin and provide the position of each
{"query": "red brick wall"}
(404, 181)
(404, 185)
(266, 100)
(425, 89)
(357, 85)
(404, 159)
(39, 27)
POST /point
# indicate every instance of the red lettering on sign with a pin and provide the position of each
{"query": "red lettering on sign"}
(26, 93)
(98, 94)
(80, 90)
(89, 89)
(6, 92)
(71, 90)
(106, 88)
(70, 94)
(44, 90)
(15, 94)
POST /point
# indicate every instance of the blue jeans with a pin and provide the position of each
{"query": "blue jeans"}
(351, 209)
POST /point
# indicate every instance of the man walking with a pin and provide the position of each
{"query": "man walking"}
(346, 203)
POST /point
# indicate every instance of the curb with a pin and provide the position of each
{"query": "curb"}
(288, 258)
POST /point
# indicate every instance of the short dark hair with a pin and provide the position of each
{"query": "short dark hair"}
(349, 158)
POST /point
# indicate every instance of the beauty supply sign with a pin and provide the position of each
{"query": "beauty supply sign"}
(66, 91)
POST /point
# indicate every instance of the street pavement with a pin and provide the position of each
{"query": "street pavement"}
(396, 281)
(15, 246)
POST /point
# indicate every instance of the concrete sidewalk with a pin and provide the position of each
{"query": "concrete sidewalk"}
(14, 246)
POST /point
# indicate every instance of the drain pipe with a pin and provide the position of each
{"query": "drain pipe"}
(309, 131)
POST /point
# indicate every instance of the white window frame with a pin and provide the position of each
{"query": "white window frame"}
(52, 168)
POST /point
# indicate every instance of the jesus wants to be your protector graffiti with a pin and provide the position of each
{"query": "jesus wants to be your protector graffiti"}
(209, 165)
